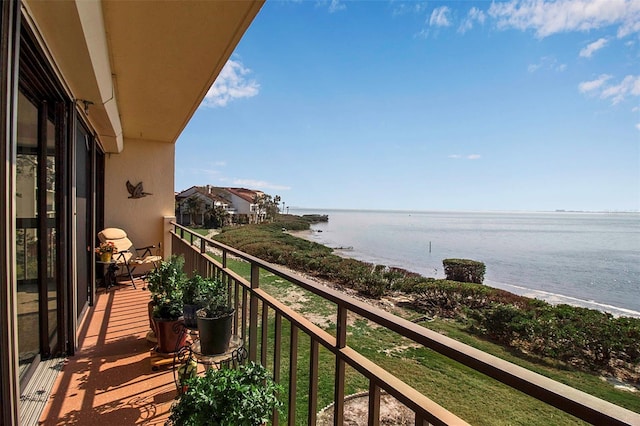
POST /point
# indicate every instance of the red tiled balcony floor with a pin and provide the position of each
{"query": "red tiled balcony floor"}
(109, 381)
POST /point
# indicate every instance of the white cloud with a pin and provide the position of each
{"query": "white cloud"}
(474, 15)
(551, 17)
(232, 83)
(638, 126)
(629, 86)
(588, 86)
(408, 7)
(547, 63)
(333, 5)
(466, 157)
(439, 17)
(211, 173)
(336, 6)
(259, 184)
(593, 47)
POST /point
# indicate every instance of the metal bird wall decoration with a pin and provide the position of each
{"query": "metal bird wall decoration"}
(136, 191)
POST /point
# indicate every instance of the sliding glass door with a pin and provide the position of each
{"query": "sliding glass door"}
(36, 231)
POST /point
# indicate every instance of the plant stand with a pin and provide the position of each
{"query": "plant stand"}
(160, 359)
(235, 355)
(109, 269)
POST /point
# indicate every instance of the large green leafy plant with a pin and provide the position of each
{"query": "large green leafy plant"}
(214, 299)
(193, 297)
(193, 289)
(165, 284)
(245, 396)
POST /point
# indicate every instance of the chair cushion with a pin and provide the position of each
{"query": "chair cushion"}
(147, 260)
(111, 234)
(123, 257)
(117, 236)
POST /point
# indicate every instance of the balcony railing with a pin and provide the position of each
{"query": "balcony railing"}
(257, 312)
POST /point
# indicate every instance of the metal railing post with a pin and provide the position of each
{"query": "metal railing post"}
(253, 313)
(341, 342)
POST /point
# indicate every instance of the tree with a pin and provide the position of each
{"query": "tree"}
(195, 206)
(271, 207)
(217, 216)
(266, 207)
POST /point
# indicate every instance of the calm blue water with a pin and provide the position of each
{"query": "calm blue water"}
(585, 259)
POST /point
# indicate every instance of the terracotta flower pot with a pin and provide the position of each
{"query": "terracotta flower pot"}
(171, 335)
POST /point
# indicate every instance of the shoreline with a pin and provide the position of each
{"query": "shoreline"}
(551, 298)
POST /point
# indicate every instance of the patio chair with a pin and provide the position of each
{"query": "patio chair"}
(128, 256)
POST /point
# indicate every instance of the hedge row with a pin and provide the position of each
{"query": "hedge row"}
(586, 338)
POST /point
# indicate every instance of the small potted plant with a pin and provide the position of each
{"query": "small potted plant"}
(243, 396)
(215, 318)
(192, 292)
(106, 251)
(165, 284)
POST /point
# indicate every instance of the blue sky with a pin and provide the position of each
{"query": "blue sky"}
(516, 105)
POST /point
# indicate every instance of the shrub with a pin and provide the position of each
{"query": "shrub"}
(245, 396)
(464, 270)
(373, 285)
(165, 284)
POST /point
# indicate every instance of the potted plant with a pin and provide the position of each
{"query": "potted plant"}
(244, 396)
(215, 318)
(165, 284)
(192, 292)
(106, 250)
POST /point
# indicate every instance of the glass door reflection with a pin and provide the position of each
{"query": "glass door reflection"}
(36, 234)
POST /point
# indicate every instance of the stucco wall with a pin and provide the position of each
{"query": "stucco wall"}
(151, 163)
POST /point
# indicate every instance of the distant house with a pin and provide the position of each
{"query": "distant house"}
(243, 201)
(193, 204)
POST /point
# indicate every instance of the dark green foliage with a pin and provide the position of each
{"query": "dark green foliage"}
(315, 218)
(165, 284)
(373, 285)
(245, 396)
(192, 289)
(216, 217)
(214, 299)
(585, 338)
(464, 270)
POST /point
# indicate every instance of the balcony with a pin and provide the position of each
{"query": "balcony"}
(110, 380)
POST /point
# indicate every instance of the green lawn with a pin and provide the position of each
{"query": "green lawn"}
(470, 395)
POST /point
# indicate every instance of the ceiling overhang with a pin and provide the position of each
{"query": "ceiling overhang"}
(143, 67)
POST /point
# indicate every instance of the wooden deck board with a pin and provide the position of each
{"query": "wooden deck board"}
(110, 381)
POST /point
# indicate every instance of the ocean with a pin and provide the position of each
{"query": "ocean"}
(584, 259)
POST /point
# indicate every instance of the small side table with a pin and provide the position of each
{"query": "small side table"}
(189, 356)
(109, 273)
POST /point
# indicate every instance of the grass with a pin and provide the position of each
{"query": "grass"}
(458, 388)
(471, 395)
(200, 231)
